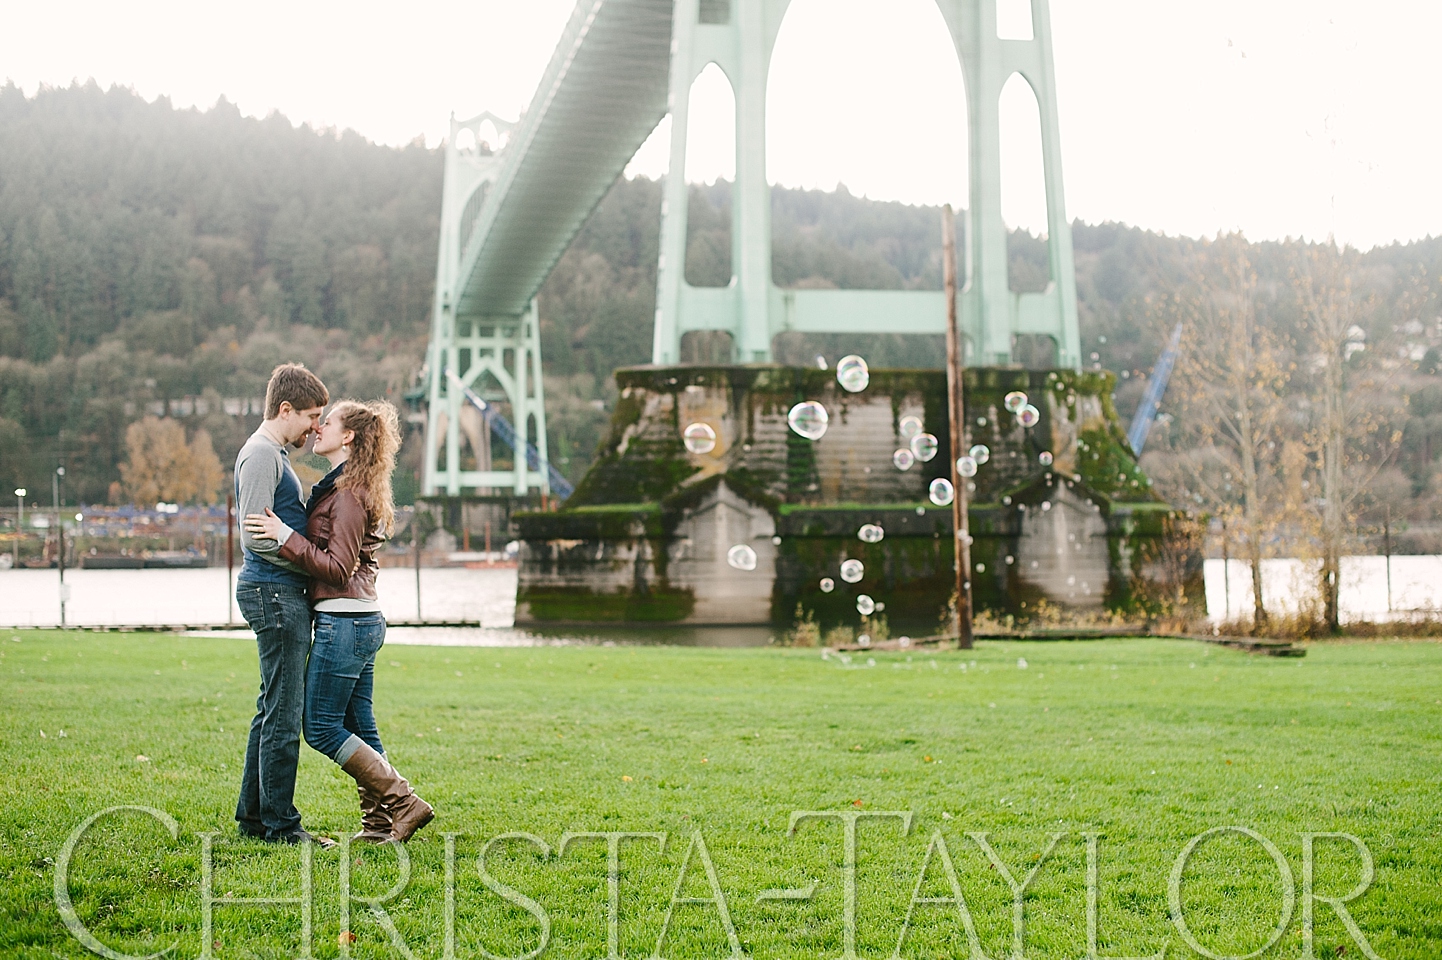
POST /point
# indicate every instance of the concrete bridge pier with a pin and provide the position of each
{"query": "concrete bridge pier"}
(1061, 514)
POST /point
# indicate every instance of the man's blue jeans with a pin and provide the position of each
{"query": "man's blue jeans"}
(279, 613)
(338, 714)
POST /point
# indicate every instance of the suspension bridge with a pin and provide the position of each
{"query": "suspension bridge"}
(516, 193)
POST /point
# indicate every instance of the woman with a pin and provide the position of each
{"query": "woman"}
(348, 516)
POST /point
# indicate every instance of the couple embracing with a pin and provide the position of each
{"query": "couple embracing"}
(313, 564)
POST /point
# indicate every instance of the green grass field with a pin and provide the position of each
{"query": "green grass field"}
(1147, 743)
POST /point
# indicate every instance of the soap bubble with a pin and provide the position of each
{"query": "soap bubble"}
(865, 605)
(941, 492)
(808, 419)
(870, 533)
(820, 362)
(741, 557)
(699, 438)
(980, 453)
(852, 374)
(903, 459)
(852, 570)
(1028, 415)
(827, 584)
(966, 466)
(910, 427)
(1045, 457)
(864, 641)
(924, 446)
(903, 642)
(1014, 401)
(1045, 506)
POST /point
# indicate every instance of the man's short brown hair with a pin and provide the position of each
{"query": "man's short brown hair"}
(292, 383)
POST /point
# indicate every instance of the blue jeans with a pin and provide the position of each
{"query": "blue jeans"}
(338, 714)
(279, 613)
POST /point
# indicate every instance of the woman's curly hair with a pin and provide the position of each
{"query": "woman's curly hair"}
(377, 429)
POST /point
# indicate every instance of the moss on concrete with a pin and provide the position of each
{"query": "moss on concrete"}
(580, 605)
(644, 483)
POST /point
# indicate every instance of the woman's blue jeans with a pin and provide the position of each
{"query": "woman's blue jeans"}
(339, 682)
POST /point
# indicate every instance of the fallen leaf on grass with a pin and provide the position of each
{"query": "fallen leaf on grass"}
(142, 758)
(345, 938)
(625, 779)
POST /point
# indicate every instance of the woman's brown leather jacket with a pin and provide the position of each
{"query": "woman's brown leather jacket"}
(338, 549)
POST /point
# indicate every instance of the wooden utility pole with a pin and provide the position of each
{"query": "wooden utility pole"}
(954, 376)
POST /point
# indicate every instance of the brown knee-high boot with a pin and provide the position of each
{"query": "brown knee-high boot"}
(407, 812)
(375, 822)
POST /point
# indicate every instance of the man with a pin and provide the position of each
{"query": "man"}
(271, 593)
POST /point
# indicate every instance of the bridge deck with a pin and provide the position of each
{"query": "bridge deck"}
(601, 96)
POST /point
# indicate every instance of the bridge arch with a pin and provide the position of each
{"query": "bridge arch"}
(859, 100)
(710, 159)
(1023, 186)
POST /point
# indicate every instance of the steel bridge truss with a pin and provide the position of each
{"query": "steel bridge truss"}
(474, 350)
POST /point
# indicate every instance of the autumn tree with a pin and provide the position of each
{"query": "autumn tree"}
(161, 466)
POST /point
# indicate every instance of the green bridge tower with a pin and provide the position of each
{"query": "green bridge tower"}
(739, 37)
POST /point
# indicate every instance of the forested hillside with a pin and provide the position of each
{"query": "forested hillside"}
(148, 255)
(161, 261)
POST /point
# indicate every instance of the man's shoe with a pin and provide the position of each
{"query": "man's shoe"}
(407, 811)
(301, 836)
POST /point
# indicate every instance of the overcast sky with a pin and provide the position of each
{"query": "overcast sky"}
(1276, 117)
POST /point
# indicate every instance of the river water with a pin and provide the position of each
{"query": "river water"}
(157, 597)
(202, 597)
(1372, 588)
(487, 596)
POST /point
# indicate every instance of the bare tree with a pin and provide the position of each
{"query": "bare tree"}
(1354, 404)
(1232, 374)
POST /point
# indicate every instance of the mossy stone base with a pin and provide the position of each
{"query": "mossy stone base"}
(646, 535)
